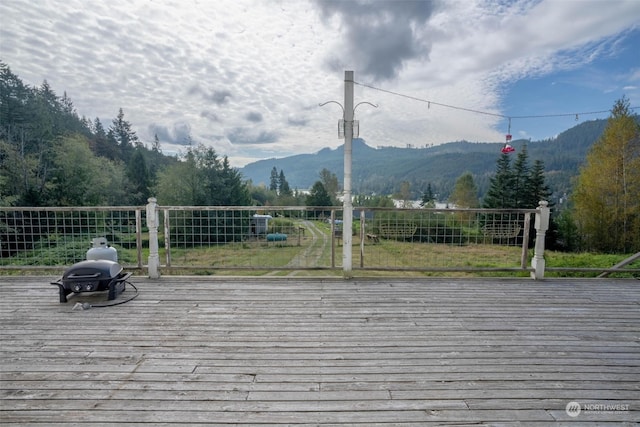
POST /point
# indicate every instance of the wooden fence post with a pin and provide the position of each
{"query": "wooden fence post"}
(542, 225)
(152, 224)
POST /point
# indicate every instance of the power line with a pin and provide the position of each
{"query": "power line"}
(431, 102)
(486, 113)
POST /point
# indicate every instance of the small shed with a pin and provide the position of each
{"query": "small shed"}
(260, 224)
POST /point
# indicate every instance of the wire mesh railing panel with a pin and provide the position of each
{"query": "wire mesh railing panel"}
(57, 237)
(454, 239)
(271, 238)
(247, 238)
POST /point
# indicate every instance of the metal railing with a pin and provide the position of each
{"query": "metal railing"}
(54, 237)
(207, 239)
(292, 238)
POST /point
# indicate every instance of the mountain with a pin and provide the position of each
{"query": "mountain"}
(382, 170)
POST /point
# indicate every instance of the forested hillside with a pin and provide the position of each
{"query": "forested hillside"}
(382, 170)
(50, 156)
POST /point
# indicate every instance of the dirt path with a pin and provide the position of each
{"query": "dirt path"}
(312, 255)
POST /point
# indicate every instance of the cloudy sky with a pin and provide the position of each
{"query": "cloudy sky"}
(246, 76)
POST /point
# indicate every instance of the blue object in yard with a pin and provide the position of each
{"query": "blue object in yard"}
(276, 237)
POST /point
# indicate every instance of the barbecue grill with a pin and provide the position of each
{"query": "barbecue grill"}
(93, 276)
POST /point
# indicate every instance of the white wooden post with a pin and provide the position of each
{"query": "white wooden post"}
(542, 225)
(152, 224)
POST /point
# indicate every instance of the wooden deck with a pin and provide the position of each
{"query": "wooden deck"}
(375, 352)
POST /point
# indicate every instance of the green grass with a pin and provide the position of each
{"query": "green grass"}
(586, 260)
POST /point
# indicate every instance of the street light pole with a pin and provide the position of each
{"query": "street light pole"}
(347, 204)
(348, 112)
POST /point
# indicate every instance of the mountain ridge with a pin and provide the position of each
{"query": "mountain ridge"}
(381, 170)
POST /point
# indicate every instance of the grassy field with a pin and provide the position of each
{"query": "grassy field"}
(386, 258)
(310, 251)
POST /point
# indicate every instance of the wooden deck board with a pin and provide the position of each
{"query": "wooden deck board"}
(268, 351)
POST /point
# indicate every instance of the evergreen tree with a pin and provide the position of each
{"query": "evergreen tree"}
(283, 185)
(48, 111)
(236, 190)
(538, 189)
(500, 193)
(156, 144)
(102, 145)
(517, 187)
(520, 181)
(69, 121)
(124, 136)
(428, 198)
(13, 103)
(139, 179)
(318, 196)
(39, 143)
(607, 191)
(11, 178)
(98, 132)
(210, 167)
(273, 182)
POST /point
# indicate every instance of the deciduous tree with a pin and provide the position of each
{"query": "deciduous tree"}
(404, 195)
(607, 191)
(78, 178)
(465, 192)
(330, 182)
(202, 179)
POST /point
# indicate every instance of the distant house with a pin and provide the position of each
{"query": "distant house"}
(259, 224)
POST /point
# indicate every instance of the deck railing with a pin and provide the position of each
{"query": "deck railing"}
(33, 238)
(269, 240)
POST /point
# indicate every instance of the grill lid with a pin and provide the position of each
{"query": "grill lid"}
(93, 270)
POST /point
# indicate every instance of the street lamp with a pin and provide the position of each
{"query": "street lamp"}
(348, 111)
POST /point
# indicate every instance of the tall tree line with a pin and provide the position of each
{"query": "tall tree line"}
(50, 156)
(517, 185)
(604, 212)
(606, 198)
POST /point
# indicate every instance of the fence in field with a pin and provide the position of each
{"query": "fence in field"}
(207, 239)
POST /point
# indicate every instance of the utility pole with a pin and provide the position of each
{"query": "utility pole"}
(347, 123)
(347, 205)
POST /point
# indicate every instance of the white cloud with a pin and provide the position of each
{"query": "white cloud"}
(246, 76)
